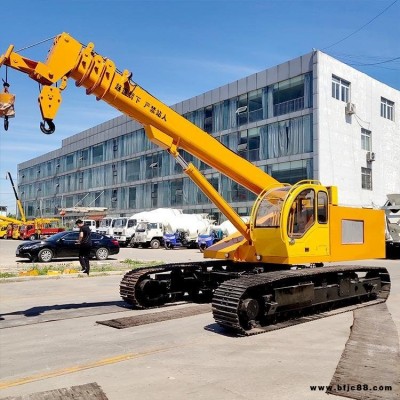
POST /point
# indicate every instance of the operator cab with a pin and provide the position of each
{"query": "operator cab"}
(292, 220)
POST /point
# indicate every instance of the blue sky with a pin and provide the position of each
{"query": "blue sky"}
(179, 49)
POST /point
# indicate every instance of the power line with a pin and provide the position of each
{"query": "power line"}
(358, 30)
(364, 61)
(377, 63)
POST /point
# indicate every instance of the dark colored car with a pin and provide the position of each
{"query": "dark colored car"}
(64, 244)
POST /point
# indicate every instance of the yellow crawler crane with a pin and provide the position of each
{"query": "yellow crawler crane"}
(258, 276)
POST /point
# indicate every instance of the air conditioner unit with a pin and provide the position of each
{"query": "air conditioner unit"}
(370, 156)
(350, 108)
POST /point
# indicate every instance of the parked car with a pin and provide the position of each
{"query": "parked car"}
(64, 244)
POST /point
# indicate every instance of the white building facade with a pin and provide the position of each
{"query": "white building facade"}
(356, 133)
(309, 118)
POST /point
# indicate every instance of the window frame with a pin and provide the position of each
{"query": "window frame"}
(366, 178)
(341, 89)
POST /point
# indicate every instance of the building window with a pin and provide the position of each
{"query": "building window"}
(114, 198)
(214, 181)
(154, 195)
(242, 110)
(98, 201)
(115, 170)
(340, 89)
(249, 144)
(255, 106)
(98, 154)
(366, 139)
(291, 172)
(153, 165)
(69, 162)
(238, 192)
(132, 170)
(366, 178)
(84, 157)
(177, 192)
(132, 198)
(387, 108)
(208, 119)
(288, 95)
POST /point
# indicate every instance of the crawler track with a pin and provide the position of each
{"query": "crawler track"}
(154, 286)
(255, 304)
(247, 300)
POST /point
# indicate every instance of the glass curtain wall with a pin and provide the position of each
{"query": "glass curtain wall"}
(129, 173)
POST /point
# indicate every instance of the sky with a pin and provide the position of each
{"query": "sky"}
(177, 49)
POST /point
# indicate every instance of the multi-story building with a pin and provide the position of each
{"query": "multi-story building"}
(309, 118)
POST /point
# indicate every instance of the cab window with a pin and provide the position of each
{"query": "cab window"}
(322, 207)
(302, 213)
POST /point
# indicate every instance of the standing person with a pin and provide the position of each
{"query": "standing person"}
(85, 244)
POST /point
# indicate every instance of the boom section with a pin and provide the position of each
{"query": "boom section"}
(99, 75)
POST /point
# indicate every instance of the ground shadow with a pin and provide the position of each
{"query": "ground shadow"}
(39, 310)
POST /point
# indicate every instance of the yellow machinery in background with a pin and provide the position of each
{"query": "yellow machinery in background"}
(3, 229)
(250, 275)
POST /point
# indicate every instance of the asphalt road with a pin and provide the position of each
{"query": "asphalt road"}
(49, 340)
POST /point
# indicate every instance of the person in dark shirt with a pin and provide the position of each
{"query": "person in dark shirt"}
(85, 245)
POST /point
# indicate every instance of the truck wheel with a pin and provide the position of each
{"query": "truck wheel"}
(202, 247)
(168, 245)
(155, 244)
(45, 255)
(32, 237)
(102, 253)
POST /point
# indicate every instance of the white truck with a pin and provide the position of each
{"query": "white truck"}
(106, 226)
(91, 223)
(125, 228)
(150, 232)
(392, 211)
(120, 230)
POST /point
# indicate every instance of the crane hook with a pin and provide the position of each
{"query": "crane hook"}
(51, 127)
(6, 123)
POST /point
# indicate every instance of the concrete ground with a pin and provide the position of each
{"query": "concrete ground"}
(49, 339)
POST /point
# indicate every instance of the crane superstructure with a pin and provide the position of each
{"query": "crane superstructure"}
(250, 274)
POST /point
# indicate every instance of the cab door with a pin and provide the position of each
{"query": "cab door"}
(308, 224)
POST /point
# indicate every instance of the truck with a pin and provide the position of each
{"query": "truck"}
(186, 229)
(123, 229)
(216, 233)
(3, 230)
(392, 211)
(154, 225)
(12, 227)
(106, 226)
(40, 228)
(272, 268)
(91, 223)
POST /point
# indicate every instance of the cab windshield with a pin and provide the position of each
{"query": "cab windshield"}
(105, 223)
(269, 210)
(141, 227)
